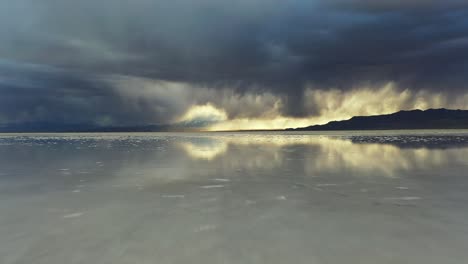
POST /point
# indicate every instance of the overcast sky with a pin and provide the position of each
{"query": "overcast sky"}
(233, 64)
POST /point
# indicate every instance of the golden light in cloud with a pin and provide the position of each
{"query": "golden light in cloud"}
(206, 112)
(328, 105)
(279, 122)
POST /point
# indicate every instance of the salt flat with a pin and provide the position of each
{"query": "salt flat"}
(270, 197)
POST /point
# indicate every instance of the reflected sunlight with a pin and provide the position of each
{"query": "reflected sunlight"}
(320, 153)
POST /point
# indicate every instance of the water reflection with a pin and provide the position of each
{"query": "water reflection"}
(325, 154)
(233, 198)
(136, 159)
(207, 148)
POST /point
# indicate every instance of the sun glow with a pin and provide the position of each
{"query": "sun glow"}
(205, 112)
(326, 105)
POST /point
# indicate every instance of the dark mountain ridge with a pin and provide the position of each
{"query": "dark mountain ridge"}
(413, 119)
(49, 127)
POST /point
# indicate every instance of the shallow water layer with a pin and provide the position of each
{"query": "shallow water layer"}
(355, 197)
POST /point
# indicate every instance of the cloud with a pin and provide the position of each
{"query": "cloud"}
(32, 93)
(397, 5)
(325, 105)
(201, 116)
(150, 61)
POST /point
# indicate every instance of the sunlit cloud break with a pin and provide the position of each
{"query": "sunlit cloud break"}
(224, 65)
(328, 105)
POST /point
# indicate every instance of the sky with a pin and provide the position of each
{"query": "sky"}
(222, 65)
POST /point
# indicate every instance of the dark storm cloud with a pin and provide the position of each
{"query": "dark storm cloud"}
(37, 93)
(398, 5)
(260, 46)
(34, 93)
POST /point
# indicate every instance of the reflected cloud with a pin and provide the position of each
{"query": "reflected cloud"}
(321, 154)
(135, 160)
(206, 149)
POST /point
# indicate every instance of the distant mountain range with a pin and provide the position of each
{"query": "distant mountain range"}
(59, 127)
(44, 127)
(414, 119)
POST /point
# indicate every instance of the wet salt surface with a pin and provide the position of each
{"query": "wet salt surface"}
(357, 197)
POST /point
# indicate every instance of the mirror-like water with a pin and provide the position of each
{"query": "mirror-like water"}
(358, 197)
